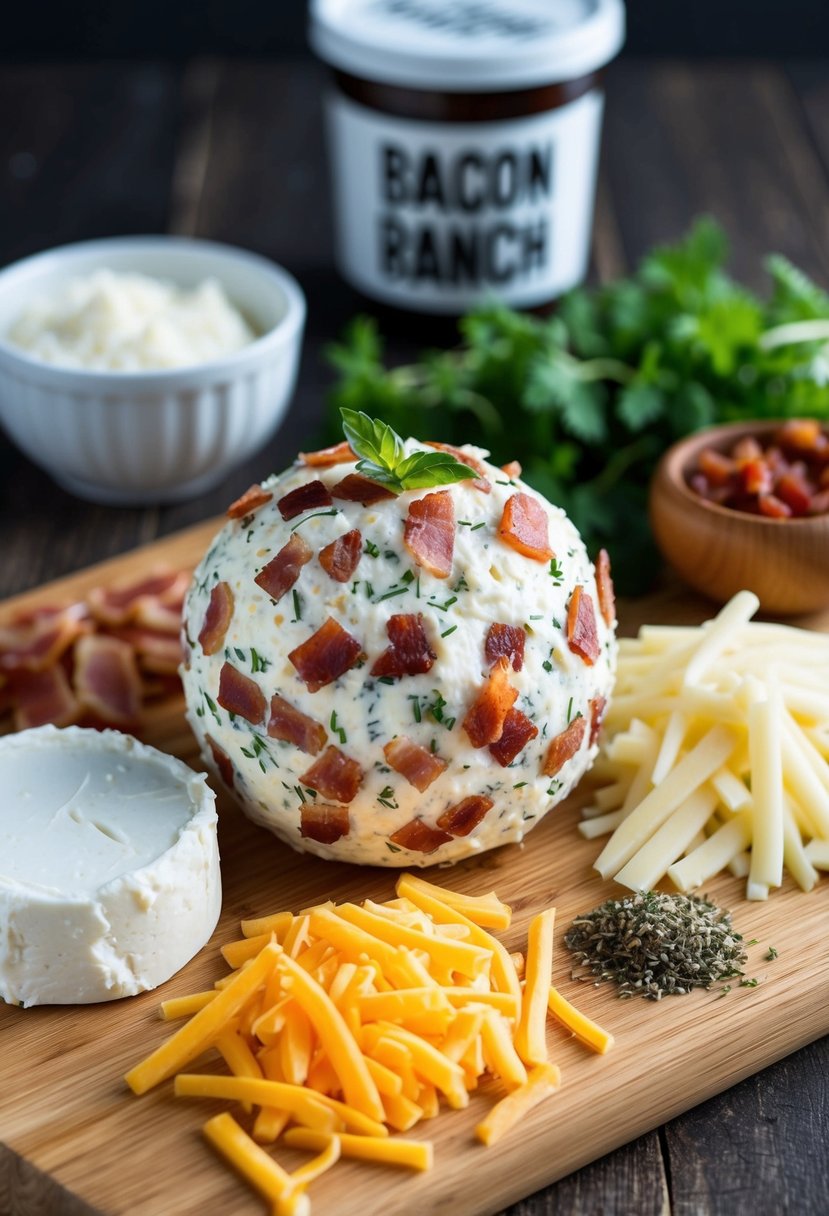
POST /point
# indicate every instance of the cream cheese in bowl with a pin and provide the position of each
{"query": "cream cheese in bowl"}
(109, 866)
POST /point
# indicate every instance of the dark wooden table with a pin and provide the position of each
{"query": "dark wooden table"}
(233, 151)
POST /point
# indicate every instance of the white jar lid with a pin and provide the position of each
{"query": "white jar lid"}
(469, 46)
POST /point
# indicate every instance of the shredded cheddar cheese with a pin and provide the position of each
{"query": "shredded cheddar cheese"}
(342, 1022)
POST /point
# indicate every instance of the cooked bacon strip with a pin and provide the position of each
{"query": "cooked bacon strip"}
(419, 837)
(484, 721)
(507, 640)
(326, 655)
(564, 747)
(517, 732)
(524, 526)
(604, 588)
(252, 499)
(417, 764)
(282, 571)
(354, 487)
(582, 636)
(323, 823)
(241, 695)
(429, 532)
(291, 725)
(341, 557)
(334, 775)
(157, 652)
(42, 697)
(323, 458)
(40, 642)
(512, 469)
(119, 603)
(222, 761)
(310, 497)
(217, 618)
(597, 707)
(152, 614)
(481, 482)
(409, 653)
(106, 680)
(465, 816)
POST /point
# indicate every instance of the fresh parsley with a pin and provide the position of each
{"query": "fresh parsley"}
(587, 400)
(383, 457)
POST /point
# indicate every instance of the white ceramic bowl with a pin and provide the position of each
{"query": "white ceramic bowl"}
(152, 436)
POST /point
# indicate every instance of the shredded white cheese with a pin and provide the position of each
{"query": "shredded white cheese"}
(130, 323)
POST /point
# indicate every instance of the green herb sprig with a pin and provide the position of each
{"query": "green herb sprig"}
(383, 457)
(588, 400)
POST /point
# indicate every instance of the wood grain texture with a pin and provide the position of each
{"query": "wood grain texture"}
(63, 1103)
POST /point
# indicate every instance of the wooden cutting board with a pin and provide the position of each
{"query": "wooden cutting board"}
(65, 1109)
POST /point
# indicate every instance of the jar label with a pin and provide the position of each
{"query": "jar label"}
(436, 216)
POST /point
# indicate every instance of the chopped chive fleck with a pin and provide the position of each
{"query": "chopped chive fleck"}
(392, 848)
(257, 663)
(475, 527)
(354, 586)
(387, 799)
(547, 665)
(770, 954)
(297, 605)
(407, 578)
(385, 680)
(556, 571)
(313, 515)
(415, 700)
(461, 584)
(433, 746)
(336, 729)
(240, 654)
(556, 623)
(519, 785)
(570, 709)
(389, 595)
(537, 617)
(446, 632)
(443, 607)
(371, 549)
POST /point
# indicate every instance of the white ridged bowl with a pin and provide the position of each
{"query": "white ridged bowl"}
(142, 437)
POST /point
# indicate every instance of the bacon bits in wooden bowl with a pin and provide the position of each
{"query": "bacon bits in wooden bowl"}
(747, 506)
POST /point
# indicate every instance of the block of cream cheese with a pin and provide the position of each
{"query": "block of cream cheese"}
(109, 866)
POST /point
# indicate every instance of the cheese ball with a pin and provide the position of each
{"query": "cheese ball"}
(397, 680)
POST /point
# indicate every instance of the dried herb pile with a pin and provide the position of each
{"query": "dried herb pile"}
(656, 945)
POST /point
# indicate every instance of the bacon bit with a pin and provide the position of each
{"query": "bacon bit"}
(106, 680)
(506, 640)
(429, 532)
(40, 642)
(409, 653)
(341, 558)
(160, 653)
(597, 707)
(326, 655)
(582, 637)
(524, 526)
(238, 694)
(41, 697)
(794, 492)
(222, 761)
(419, 837)
(481, 482)
(292, 726)
(323, 458)
(716, 467)
(217, 618)
(121, 603)
(252, 499)
(312, 495)
(517, 732)
(282, 571)
(512, 469)
(325, 824)
(564, 747)
(417, 764)
(604, 588)
(354, 487)
(334, 775)
(484, 721)
(465, 816)
(773, 507)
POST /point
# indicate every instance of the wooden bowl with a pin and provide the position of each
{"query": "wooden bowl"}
(720, 551)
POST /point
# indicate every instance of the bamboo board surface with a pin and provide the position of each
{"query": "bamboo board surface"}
(65, 1109)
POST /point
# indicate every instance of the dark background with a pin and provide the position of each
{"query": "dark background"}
(57, 29)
